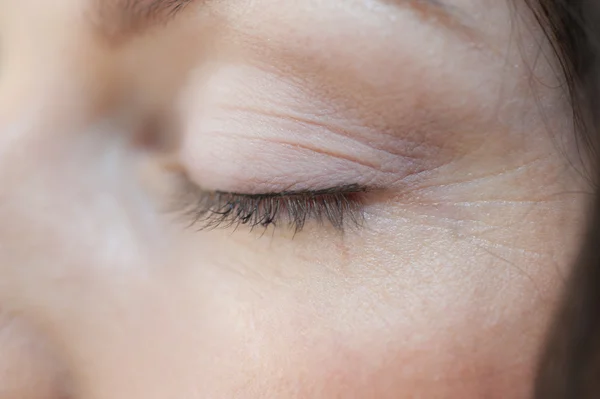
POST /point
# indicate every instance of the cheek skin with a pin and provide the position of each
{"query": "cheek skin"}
(360, 361)
(385, 374)
(363, 359)
(302, 330)
(229, 328)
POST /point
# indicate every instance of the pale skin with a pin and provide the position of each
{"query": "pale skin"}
(444, 291)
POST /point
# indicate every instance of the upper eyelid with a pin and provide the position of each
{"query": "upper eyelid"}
(343, 189)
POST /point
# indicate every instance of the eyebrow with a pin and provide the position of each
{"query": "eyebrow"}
(122, 18)
(150, 9)
(116, 19)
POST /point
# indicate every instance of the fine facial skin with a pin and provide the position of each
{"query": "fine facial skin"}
(442, 128)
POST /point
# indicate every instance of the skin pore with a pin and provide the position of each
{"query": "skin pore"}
(449, 115)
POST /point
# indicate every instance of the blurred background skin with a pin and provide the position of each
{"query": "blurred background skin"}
(445, 292)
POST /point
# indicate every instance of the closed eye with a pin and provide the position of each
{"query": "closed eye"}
(336, 206)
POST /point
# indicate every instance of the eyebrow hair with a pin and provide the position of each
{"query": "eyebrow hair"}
(122, 18)
(116, 19)
(149, 9)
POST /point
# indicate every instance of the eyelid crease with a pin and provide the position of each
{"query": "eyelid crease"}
(343, 189)
(310, 123)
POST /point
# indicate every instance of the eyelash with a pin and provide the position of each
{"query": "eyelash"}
(338, 206)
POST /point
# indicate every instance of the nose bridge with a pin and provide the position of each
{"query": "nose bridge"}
(53, 88)
(67, 180)
(70, 208)
(46, 95)
(53, 81)
(42, 113)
